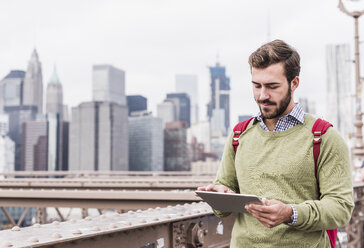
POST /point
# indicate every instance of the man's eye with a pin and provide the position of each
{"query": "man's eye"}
(257, 86)
(272, 87)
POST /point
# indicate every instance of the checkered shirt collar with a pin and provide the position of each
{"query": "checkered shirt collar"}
(296, 116)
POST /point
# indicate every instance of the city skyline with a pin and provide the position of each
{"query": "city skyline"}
(153, 42)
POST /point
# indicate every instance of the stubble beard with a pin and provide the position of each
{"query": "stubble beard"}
(277, 112)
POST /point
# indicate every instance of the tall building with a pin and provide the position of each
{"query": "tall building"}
(183, 109)
(54, 104)
(11, 89)
(218, 109)
(7, 153)
(108, 84)
(339, 88)
(166, 111)
(45, 144)
(17, 116)
(145, 143)
(33, 84)
(176, 157)
(7, 146)
(137, 103)
(188, 84)
(35, 142)
(4, 123)
(99, 137)
(57, 143)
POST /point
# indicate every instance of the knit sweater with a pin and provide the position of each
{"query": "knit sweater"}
(280, 165)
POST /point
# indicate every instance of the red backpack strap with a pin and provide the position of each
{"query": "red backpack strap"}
(238, 130)
(318, 129)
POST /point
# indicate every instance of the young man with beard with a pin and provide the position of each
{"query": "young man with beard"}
(274, 160)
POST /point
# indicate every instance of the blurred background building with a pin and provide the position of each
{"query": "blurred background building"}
(176, 156)
(99, 137)
(33, 84)
(187, 83)
(137, 103)
(108, 84)
(339, 88)
(218, 108)
(146, 149)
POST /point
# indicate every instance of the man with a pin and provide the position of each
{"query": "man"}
(274, 160)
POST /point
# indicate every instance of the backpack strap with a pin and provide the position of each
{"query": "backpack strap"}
(318, 129)
(238, 130)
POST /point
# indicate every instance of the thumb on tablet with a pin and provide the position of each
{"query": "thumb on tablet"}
(265, 201)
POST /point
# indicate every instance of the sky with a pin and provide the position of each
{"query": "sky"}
(153, 40)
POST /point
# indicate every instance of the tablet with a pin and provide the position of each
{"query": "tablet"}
(229, 202)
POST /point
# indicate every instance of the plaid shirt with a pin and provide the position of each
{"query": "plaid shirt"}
(295, 117)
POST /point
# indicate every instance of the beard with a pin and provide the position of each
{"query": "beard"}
(278, 111)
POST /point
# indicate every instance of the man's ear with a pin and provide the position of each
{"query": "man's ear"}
(295, 83)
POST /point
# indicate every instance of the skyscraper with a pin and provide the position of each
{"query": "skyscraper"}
(167, 111)
(145, 143)
(4, 123)
(99, 137)
(33, 84)
(176, 157)
(7, 153)
(183, 106)
(35, 143)
(11, 89)
(108, 84)
(137, 103)
(17, 116)
(218, 109)
(54, 104)
(7, 146)
(339, 88)
(188, 84)
(45, 144)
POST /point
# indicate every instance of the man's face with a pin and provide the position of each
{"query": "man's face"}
(271, 91)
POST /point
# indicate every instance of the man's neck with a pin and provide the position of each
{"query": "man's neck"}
(271, 123)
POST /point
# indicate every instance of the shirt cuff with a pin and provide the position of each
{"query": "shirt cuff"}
(294, 216)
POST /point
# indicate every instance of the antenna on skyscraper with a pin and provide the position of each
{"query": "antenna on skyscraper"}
(217, 59)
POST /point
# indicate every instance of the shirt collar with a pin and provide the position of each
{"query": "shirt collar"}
(297, 112)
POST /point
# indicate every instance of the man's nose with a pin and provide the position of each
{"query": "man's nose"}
(263, 94)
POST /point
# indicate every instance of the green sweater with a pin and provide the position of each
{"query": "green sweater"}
(280, 165)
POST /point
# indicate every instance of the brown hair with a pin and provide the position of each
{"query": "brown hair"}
(275, 52)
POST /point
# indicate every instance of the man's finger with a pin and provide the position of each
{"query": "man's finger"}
(268, 216)
(210, 187)
(261, 208)
(264, 220)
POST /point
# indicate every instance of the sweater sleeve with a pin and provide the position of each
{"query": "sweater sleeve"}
(336, 203)
(226, 174)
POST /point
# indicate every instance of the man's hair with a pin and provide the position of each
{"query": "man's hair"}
(277, 51)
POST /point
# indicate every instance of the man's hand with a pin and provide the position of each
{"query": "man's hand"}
(272, 213)
(215, 188)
